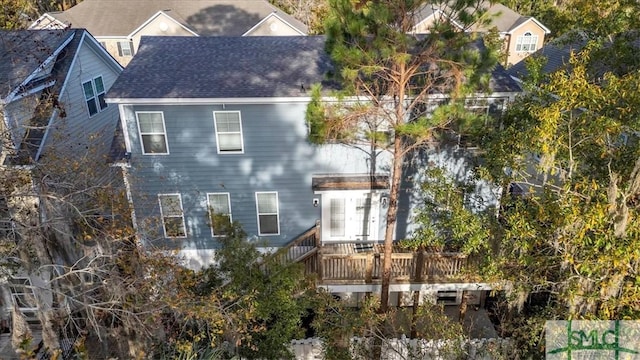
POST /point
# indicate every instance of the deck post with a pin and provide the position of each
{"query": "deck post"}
(369, 269)
(316, 234)
(318, 245)
(419, 257)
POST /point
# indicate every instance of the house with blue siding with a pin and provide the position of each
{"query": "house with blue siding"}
(52, 101)
(218, 125)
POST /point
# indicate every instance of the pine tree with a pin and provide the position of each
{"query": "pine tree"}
(389, 76)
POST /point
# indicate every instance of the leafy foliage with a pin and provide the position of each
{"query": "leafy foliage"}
(448, 219)
(571, 146)
(248, 304)
(598, 18)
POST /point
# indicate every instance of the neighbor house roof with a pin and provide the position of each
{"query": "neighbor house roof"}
(235, 67)
(616, 55)
(205, 17)
(556, 54)
(501, 17)
(23, 51)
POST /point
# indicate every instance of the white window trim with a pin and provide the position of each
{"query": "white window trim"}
(164, 226)
(164, 127)
(215, 125)
(209, 207)
(277, 213)
(92, 81)
(527, 38)
(121, 48)
(26, 289)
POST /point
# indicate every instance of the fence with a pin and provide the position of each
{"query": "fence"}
(412, 349)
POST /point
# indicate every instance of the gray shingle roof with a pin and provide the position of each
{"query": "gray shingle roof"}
(503, 18)
(205, 17)
(235, 67)
(223, 67)
(22, 51)
(35, 47)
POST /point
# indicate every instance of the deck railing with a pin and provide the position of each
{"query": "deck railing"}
(361, 262)
(405, 267)
(303, 249)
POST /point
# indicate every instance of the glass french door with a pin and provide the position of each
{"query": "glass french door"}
(350, 216)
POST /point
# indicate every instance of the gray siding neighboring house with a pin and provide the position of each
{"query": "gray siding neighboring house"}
(44, 101)
(119, 24)
(220, 122)
(52, 86)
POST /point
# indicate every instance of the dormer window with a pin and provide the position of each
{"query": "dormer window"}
(527, 43)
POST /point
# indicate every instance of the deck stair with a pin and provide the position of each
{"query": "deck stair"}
(303, 249)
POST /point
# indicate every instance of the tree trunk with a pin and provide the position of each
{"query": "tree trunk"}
(417, 278)
(392, 213)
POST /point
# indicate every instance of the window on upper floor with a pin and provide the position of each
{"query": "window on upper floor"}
(219, 213)
(94, 95)
(268, 216)
(172, 215)
(125, 48)
(527, 43)
(153, 136)
(228, 127)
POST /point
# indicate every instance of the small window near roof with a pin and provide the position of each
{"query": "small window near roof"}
(228, 127)
(125, 48)
(527, 43)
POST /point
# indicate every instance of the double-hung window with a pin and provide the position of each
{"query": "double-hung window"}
(94, 95)
(268, 217)
(228, 127)
(153, 136)
(125, 48)
(24, 297)
(172, 215)
(219, 213)
(527, 43)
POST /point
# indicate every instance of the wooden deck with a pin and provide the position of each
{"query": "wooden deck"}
(361, 262)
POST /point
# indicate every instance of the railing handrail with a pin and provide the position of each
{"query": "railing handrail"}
(302, 237)
(401, 255)
(414, 266)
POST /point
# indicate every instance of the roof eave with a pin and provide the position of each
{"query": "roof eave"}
(44, 64)
(544, 28)
(273, 14)
(153, 17)
(209, 101)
